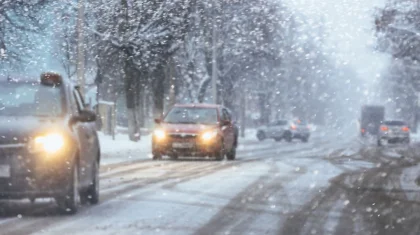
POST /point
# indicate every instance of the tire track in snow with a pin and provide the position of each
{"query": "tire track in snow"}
(374, 201)
(239, 213)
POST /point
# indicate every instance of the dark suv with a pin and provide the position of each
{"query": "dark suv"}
(48, 142)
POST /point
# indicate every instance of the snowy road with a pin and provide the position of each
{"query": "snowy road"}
(331, 185)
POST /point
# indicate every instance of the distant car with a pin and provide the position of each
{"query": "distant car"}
(393, 131)
(195, 130)
(371, 118)
(284, 129)
(49, 145)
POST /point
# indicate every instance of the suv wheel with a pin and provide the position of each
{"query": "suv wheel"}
(91, 195)
(261, 136)
(69, 203)
(305, 139)
(288, 136)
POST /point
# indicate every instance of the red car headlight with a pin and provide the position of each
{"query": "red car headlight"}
(159, 134)
(209, 135)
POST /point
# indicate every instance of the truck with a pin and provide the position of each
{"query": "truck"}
(371, 118)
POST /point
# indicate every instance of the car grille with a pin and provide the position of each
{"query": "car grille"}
(17, 158)
(6, 141)
(183, 137)
(11, 150)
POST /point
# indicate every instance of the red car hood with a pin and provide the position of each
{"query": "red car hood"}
(186, 128)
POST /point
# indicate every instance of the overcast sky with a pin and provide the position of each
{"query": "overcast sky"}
(350, 36)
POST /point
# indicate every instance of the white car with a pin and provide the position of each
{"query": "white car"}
(284, 129)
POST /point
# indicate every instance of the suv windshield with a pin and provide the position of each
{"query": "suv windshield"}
(282, 122)
(300, 123)
(29, 99)
(192, 115)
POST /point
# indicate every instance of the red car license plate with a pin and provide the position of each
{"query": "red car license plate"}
(182, 145)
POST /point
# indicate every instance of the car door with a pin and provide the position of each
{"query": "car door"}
(282, 127)
(86, 142)
(228, 130)
(276, 131)
(271, 130)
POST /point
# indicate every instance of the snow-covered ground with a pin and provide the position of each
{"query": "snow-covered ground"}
(271, 188)
(257, 191)
(121, 149)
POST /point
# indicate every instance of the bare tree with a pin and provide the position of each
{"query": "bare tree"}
(18, 21)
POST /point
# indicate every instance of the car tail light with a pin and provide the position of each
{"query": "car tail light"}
(293, 127)
(406, 129)
(384, 128)
(363, 130)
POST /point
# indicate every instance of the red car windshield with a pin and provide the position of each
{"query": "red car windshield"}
(192, 115)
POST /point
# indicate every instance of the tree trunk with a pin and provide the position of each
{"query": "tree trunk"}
(170, 74)
(202, 90)
(131, 92)
(158, 91)
(129, 79)
(140, 107)
(264, 112)
(146, 108)
(228, 93)
(243, 114)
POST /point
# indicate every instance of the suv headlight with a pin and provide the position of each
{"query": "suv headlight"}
(50, 143)
(209, 135)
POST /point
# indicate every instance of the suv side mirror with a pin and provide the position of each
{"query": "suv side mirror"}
(158, 120)
(84, 116)
(87, 116)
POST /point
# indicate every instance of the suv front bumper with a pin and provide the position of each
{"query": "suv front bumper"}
(33, 175)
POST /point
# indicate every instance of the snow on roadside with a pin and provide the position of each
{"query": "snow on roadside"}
(408, 183)
(250, 134)
(122, 149)
(415, 137)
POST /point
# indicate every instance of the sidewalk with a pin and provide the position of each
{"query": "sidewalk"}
(122, 149)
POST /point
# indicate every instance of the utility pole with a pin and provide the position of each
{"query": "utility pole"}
(80, 46)
(214, 55)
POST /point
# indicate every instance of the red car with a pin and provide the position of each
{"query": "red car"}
(195, 130)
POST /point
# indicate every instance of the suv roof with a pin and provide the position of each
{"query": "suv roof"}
(19, 79)
(36, 79)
